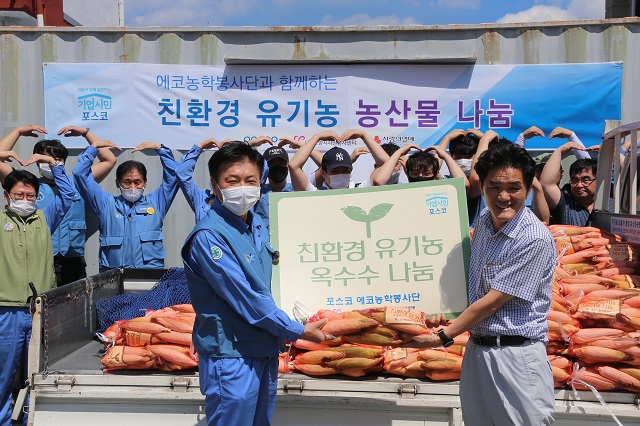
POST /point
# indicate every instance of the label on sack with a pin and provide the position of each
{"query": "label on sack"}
(395, 354)
(393, 315)
(622, 251)
(601, 307)
(563, 242)
(137, 339)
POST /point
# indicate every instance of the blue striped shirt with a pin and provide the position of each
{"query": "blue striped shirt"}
(518, 260)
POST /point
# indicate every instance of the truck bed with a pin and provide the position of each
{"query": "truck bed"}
(69, 386)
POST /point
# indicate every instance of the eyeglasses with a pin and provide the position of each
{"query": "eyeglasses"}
(584, 181)
(21, 196)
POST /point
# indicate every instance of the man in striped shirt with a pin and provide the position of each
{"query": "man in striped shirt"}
(506, 377)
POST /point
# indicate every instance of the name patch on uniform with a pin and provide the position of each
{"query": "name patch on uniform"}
(8, 226)
(216, 252)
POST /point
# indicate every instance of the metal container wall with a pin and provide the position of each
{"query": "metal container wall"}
(23, 50)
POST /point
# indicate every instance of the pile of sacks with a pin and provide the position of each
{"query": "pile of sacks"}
(594, 321)
(367, 341)
(160, 340)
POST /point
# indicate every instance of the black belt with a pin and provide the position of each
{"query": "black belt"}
(499, 340)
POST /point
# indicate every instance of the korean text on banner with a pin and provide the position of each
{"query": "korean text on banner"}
(397, 245)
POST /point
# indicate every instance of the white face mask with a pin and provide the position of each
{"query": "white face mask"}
(465, 165)
(22, 208)
(45, 171)
(394, 178)
(239, 199)
(132, 194)
(338, 181)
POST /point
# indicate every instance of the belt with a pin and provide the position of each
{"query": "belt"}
(499, 340)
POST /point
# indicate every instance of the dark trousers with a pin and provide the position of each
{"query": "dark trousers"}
(69, 269)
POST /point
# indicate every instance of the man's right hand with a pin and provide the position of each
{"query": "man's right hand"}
(209, 144)
(293, 143)
(105, 144)
(313, 333)
(532, 132)
(72, 131)
(560, 132)
(31, 130)
(567, 147)
(9, 156)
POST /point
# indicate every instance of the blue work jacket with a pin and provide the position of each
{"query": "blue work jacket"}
(69, 238)
(130, 234)
(228, 267)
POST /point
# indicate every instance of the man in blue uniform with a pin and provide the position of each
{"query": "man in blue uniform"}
(506, 377)
(130, 223)
(238, 328)
(199, 199)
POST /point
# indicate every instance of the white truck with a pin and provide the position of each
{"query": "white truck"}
(69, 387)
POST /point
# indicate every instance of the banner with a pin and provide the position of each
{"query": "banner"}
(179, 105)
(397, 245)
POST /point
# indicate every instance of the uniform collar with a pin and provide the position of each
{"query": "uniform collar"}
(231, 218)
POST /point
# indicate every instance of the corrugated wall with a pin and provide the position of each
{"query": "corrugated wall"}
(23, 50)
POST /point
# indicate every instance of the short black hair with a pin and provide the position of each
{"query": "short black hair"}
(503, 155)
(20, 176)
(389, 148)
(582, 165)
(463, 145)
(128, 166)
(234, 152)
(51, 147)
(423, 160)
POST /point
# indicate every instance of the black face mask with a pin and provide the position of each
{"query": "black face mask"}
(419, 179)
(278, 173)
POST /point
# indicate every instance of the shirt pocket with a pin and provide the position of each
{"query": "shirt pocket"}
(111, 242)
(151, 246)
(77, 229)
(487, 276)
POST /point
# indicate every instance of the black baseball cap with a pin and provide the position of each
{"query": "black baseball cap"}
(275, 152)
(336, 157)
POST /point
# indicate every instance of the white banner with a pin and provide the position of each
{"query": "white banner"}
(179, 105)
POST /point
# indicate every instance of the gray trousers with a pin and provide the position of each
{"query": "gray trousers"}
(509, 385)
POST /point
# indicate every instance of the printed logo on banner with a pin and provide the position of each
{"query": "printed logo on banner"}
(95, 105)
(377, 212)
(437, 203)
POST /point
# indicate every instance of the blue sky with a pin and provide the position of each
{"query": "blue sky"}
(354, 12)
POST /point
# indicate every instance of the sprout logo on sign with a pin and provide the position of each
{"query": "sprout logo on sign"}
(437, 203)
(377, 212)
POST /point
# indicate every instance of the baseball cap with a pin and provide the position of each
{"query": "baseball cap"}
(541, 159)
(336, 157)
(275, 152)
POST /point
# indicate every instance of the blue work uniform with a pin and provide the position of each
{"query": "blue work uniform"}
(238, 329)
(200, 200)
(69, 239)
(130, 234)
(262, 207)
(15, 318)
